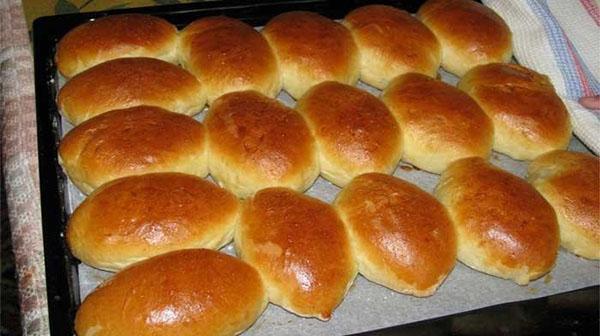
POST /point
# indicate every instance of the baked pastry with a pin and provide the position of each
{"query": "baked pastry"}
(228, 55)
(256, 142)
(503, 225)
(310, 49)
(299, 246)
(129, 82)
(529, 118)
(133, 141)
(138, 217)
(470, 33)
(391, 42)
(440, 124)
(354, 131)
(570, 182)
(115, 36)
(402, 236)
(188, 292)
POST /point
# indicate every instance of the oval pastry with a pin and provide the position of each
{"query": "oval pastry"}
(134, 141)
(470, 33)
(137, 217)
(503, 225)
(391, 42)
(300, 247)
(256, 142)
(129, 82)
(115, 36)
(402, 236)
(186, 293)
(228, 55)
(570, 182)
(529, 117)
(440, 124)
(310, 49)
(354, 131)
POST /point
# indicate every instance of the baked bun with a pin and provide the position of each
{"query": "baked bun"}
(401, 235)
(503, 225)
(529, 118)
(470, 33)
(228, 55)
(391, 42)
(354, 131)
(299, 246)
(310, 49)
(188, 292)
(440, 124)
(256, 142)
(570, 182)
(133, 141)
(128, 82)
(149, 215)
(115, 36)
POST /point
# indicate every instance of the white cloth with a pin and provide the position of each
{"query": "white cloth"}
(561, 39)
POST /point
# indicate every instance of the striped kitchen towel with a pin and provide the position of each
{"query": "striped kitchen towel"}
(560, 38)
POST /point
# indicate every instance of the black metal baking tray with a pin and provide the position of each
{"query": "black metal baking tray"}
(61, 266)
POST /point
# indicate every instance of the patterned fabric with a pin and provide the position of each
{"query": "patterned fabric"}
(560, 39)
(19, 152)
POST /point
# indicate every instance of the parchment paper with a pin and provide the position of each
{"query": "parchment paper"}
(369, 306)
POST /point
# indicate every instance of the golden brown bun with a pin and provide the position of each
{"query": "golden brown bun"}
(401, 235)
(228, 55)
(138, 217)
(470, 33)
(440, 124)
(570, 182)
(133, 141)
(193, 292)
(311, 49)
(256, 142)
(503, 225)
(354, 131)
(391, 42)
(128, 82)
(529, 118)
(115, 36)
(300, 247)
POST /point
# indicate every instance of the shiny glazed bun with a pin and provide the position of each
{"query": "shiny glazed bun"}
(310, 49)
(401, 235)
(299, 246)
(470, 33)
(440, 124)
(391, 42)
(129, 82)
(256, 142)
(354, 131)
(503, 225)
(133, 141)
(137, 217)
(529, 117)
(228, 55)
(193, 292)
(115, 36)
(570, 182)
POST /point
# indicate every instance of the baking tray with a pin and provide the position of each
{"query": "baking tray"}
(62, 270)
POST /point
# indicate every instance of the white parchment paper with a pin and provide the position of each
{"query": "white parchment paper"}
(369, 306)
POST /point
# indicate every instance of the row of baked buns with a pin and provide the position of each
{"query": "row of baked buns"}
(303, 254)
(249, 141)
(295, 50)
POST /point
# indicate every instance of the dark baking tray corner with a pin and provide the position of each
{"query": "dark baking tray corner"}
(574, 313)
